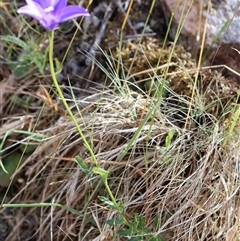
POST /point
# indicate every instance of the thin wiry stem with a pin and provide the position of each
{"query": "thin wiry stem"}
(51, 38)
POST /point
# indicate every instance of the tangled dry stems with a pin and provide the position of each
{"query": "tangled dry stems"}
(192, 186)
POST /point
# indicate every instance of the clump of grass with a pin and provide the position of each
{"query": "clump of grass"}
(178, 177)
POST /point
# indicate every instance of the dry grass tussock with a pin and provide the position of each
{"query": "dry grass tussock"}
(189, 182)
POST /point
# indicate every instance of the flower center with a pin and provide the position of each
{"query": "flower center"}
(49, 9)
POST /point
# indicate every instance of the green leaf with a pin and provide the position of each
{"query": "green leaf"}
(3, 167)
(121, 206)
(169, 137)
(83, 166)
(27, 148)
(137, 238)
(113, 222)
(125, 232)
(103, 173)
(10, 163)
(107, 202)
(15, 40)
(157, 223)
(19, 69)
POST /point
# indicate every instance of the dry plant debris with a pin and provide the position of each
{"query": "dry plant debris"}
(192, 184)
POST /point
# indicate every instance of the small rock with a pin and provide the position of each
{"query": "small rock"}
(188, 14)
(224, 16)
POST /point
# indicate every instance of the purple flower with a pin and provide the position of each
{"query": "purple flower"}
(50, 13)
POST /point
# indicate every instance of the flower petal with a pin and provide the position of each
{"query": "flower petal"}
(49, 22)
(41, 3)
(54, 3)
(52, 12)
(58, 5)
(71, 12)
(32, 9)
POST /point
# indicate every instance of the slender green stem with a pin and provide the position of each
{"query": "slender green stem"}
(104, 176)
(31, 205)
(51, 40)
(116, 205)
